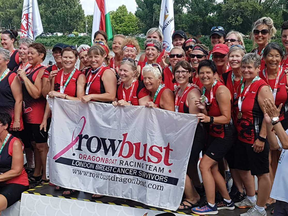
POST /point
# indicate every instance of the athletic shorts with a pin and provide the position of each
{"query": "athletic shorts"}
(217, 147)
(246, 159)
(32, 132)
(200, 139)
(12, 192)
(230, 156)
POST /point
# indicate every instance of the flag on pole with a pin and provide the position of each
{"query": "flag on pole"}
(166, 23)
(101, 19)
(31, 24)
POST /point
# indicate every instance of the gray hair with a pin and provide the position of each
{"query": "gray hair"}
(155, 70)
(153, 30)
(5, 53)
(238, 35)
(25, 40)
(238, 48)
(251, 58)
(157, 44)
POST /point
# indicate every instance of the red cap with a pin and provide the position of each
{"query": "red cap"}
(220, 48)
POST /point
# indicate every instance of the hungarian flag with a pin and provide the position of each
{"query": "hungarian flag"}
(101, 19)
(31, 24)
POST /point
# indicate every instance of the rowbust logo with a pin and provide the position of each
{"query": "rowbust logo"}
(126, 149)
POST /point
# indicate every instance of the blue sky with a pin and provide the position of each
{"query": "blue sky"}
(88, 5)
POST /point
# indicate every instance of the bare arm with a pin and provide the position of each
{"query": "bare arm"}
(192, 97)
(223, 98)
(17, 163)
(143, 101)
(16, 88)
(167, 100)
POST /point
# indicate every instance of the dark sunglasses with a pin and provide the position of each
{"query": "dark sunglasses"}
(217, 28)
(219, 55)
(157, 66)
(230, 40)
(129, 60)
(263, 32)
(175, 55)
(188, 47)
(197, 56)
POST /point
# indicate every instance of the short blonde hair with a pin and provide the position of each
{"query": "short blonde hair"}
(131, 41)
(155, 70)
(265, 21)
(238, 35)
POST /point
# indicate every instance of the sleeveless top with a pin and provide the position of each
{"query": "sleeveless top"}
(158, 98)
(139, 91)
(6, 163)
(7, 101)
(33, 108)
(232, 86)
(71, 88)
(168, 77)
(249, 126)
(14, 60)
(97, 86)
(48, 70)
(183, 106)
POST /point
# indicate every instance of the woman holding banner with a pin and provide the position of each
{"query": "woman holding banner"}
(215, 105)
(130, 91)
(161, 96)
(185, 98)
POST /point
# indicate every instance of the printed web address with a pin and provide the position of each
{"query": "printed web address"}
(124, 180)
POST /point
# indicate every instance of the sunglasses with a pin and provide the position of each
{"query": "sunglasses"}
(263, 32)
(188, 47)
(157, 66)
(129, 60)
(219, 56)
(197, 56)
(175, 55)
(230, 40)
(217, 28)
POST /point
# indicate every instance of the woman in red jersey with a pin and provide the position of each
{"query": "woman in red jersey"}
(130, 91)
(198, 54)
(101, 82)
(185, 98)
(284, 38)
(116, 48)
(34, 106)
(161, 96)
(215, 105)
(262, 32)
(8, 38)
(252, 149)
(176, 54)
(13, 177)
(130, 48)
(23, 52)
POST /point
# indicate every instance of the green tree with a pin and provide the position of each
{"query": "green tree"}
(124, 22)
(62, 15)
(10, 13)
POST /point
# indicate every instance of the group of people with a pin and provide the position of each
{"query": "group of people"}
(228, 89)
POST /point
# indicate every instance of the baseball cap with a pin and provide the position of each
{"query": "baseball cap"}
(219, 30)
(220, 48)
(180, 33)
(59, 46)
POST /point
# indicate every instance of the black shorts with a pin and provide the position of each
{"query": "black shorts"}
(218, 147)
(230, 156)
(200, 139)
(246, 159)
(32, 132)
(12, 192)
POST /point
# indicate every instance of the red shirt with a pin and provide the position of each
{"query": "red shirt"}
(159, 59)
(168, 78)
(97, 86)
(71, 88)
(285, 64)
(197, 81)
(158, 98)
(182, 101)
(232, 85)
(135, 92)
(48, 70)
(249, 126)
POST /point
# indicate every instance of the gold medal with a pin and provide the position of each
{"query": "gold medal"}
(239, 116)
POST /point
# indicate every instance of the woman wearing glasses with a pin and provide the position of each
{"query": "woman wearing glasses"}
(160, 96)
(199, 53)
(262, 32)
(131, 91)
(234, 38)
(177, 54)
(189, 44)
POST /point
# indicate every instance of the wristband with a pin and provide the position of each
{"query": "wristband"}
(211, 119)
(262, 139)
(274, 123)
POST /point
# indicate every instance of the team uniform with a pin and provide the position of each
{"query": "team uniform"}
(248, 125)
(14, 60)
(196, 81)
(285, 64)
(168, 78)
(7, 101)
(156, 100)
(12, 188)
(132, 95)
(48, 70)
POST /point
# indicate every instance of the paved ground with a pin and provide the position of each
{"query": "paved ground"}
(46, 189)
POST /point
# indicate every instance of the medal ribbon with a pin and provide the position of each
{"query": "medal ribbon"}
(5, 141)
(274, 90)
(131, 92)
(4, 74)
(157, 92)
(91, 80)
(240, 99)
(211, 92)
(233, 81)
(62, 88)
(177, 100)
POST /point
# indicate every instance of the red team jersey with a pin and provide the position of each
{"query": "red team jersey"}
(168, 78)
(97, 86)
(158, 98)
(182, 101)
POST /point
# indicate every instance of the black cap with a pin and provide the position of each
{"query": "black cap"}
(219, 30)
(180, 33)
(59, 46)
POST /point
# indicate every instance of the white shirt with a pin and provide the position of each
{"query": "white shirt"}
(280, 185)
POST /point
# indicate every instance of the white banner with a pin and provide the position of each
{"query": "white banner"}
(129, 152)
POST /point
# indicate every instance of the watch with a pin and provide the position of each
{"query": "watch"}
(275, 120)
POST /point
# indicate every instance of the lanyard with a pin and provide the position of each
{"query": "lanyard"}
(261, 53)
(4, 74)
(131, 92)
(62, 88)
(5, 141)
(177, 100)
(274, 90)
(211, 93)
(157, 92)
(241, 99)
(91, 80)
(233, 81)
